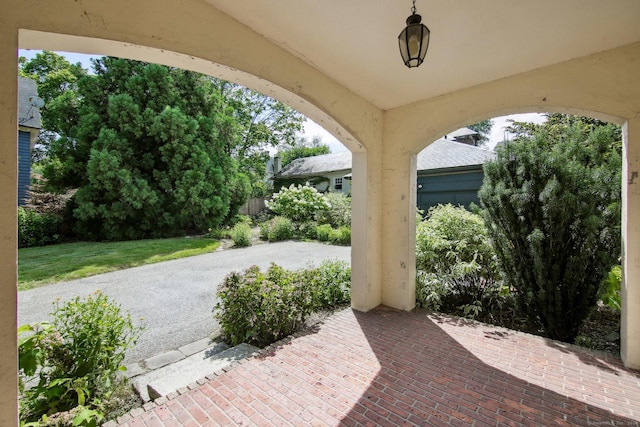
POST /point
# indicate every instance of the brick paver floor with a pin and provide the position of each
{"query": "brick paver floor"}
(392, 368)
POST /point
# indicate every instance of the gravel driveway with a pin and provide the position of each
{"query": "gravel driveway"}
(174, 298)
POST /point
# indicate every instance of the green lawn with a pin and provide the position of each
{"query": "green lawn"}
(48, 264)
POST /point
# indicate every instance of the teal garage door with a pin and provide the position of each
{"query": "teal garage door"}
(457, 189)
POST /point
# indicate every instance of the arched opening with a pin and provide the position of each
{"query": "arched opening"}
(66, 44)
(446, 284)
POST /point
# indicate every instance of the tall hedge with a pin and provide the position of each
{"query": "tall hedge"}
(552, 205)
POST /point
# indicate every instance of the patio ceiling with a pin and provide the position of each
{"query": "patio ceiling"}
(355, 42)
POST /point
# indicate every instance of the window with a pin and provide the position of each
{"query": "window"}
(337, 184)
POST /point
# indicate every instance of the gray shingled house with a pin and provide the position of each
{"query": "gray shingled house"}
(28, 130)
(449, 171)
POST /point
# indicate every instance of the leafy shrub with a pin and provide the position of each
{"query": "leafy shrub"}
(339, 212)
(331, 283)
(323, 232)
(280, 229)
(241, 235)
(261, 308)
(36, 229)
(307, 230)
(74, 359)
(298, 203)
(264, 229)
(341, 236)
(450, 235)
(611, 288)
(457, 271)
(241, 219)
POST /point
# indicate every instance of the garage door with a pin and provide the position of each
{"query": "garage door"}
(457, 189)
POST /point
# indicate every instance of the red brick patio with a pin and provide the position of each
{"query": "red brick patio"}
(392, 368)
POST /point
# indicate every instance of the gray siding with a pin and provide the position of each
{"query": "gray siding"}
(457, 189)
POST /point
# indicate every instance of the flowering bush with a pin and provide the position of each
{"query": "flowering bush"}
(298, 203)
(339, 212)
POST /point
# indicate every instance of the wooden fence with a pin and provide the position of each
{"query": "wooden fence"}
(254, 206)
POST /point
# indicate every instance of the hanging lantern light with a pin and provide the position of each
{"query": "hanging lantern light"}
(414, 40)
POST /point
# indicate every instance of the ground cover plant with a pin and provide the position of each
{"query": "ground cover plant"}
(48, 264)
(260, 308)
(68, 367)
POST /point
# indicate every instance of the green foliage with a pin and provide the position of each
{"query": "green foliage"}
(36, 229)
(300, 151)
(241, 189)
(338, 213)
(457, 270)
(46, 265)
(264, 123)
(280, 228)
(483, 128)
(611, 289)
(331, 283)
(149, 153)
(451, 235)
(298, 203)
(552, 205)
(74, 359)
(57, 82)
(261, 308)
(323, 232)
(241, 235)
(307, 230)
(340, 236)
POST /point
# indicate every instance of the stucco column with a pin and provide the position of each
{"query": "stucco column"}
(8, 226)
(398, 228)
(630, 322)
(366, 265)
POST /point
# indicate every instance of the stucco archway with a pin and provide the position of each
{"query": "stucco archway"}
(381, 113)
(604, 90)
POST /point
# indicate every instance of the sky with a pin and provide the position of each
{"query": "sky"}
(312, 129)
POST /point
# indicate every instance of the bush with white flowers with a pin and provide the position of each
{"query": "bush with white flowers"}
(299, 203)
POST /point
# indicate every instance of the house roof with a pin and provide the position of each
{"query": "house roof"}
(461, 132)
(441, 154)
(28, 115)
(317, 165)
(446, 154)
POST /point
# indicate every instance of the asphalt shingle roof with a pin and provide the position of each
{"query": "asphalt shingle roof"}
(444, 154)
(441, 154)
(317, 165)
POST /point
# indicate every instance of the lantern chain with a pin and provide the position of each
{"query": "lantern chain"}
(413, 9)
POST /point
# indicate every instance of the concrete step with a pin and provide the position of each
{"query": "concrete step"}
(169, 378)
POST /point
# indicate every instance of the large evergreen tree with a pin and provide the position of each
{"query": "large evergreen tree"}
(149, 152)
(552, 204)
